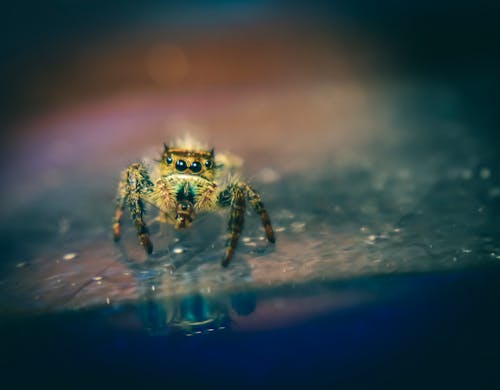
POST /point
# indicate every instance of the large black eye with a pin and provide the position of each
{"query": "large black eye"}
(180, 165)
(195, 166)
(208, 164)
(169, 160)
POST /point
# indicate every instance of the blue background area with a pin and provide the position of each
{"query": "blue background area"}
(440, 332)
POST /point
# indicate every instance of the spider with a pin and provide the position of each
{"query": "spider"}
(187, 180)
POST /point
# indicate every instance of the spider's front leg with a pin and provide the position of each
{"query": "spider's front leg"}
(234, 197)
(133, 187)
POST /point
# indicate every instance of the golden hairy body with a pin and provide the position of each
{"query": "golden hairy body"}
(188, 181)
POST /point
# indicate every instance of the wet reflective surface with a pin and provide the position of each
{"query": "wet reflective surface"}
(383, 193)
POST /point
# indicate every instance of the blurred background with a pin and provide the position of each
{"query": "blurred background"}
(371, 129)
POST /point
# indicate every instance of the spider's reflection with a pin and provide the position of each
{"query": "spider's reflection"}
(194, 313)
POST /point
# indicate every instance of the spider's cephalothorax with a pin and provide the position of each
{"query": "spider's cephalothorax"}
(188, 182)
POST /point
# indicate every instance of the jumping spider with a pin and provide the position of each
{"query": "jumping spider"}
(189, 181)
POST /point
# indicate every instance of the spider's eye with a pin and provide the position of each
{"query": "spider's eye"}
(180, 165)
(195, 166)
(169, 160)
(208, 164)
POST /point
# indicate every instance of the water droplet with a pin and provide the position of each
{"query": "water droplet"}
(298, 226)
(64, 225)
(484, 173)
(69, 256)
(467, 174)
(494, 192)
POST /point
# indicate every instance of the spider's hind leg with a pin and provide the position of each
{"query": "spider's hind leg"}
(233, 196)
(120, 198)
(258, 206)
(133, 187)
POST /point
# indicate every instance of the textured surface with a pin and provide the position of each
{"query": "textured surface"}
(361, 192)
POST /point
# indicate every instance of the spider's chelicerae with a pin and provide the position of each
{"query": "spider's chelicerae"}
(188, 180)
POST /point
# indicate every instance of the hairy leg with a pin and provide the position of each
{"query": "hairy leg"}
(258, 206)
(134, 184)
(120, 198)
(233, 197)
